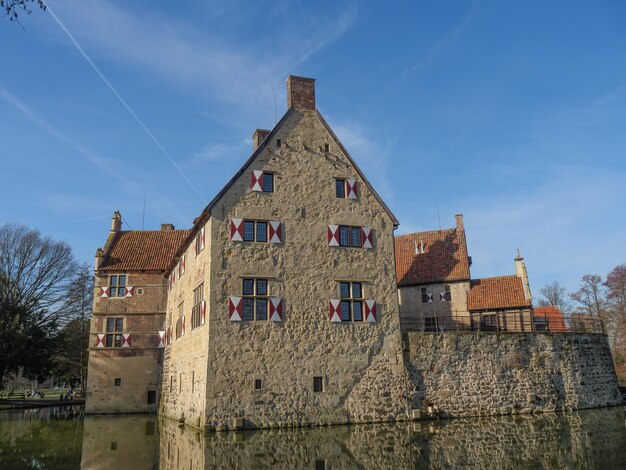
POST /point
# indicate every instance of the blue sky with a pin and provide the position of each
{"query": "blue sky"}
(513, 113)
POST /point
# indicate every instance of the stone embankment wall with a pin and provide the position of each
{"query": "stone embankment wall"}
(469, 374)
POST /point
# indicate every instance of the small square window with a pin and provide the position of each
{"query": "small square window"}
(151, 397)
(340, 188)
(114, 445)
(320, 464)
(118, 382)
(268, 182)
(326, 147)
(140, 291)
(248, 287)
(278, 143)
(258, 384)
(318, 384)
(248, 231)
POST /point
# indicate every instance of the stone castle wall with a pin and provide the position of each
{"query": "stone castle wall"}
(361, 363)
(469, 374)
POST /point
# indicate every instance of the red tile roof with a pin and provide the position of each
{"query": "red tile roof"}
(444, 258)
(494, 293)
(556, 322)
(143, 250)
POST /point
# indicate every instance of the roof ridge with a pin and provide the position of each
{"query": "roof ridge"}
(453, 229)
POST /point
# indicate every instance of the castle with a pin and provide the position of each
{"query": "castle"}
(289, 302)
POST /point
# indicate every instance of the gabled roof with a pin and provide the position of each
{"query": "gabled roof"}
(495, 293)
(205, 214)
(444, 258)
(145, 250)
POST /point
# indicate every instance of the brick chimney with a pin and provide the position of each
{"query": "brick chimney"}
(166, 227)
(301, 93)
(116, 222)
(258, 137)
(459, 221)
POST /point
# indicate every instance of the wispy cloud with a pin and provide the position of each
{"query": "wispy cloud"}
(203, 62)
(102, 164)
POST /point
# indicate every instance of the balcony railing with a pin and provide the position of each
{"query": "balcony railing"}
(505, 322)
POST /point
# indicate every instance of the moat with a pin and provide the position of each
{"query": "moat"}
(63, 438)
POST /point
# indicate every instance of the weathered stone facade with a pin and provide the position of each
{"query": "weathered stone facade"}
(469, 374)
(360, 363)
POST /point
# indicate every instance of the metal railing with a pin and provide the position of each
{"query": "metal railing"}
(511, 321)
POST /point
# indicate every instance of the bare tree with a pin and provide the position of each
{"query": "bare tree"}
(555, 296)
(37, 277)
(591, 296)
(616, 304)
(14, 8)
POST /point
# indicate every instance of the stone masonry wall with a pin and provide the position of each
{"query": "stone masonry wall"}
(361, 363)
(138, 366)
(469, 374)
(183, 388)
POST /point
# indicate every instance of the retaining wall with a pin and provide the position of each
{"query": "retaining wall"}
(470, 374)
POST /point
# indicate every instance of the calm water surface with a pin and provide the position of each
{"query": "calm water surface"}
(54, 438)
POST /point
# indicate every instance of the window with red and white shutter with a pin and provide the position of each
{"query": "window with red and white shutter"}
(256, 181)
(351, 190)
(350, 236)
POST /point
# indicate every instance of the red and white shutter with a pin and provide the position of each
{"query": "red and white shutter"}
(333, 235)
(104, 292)
(430, 297)
(129, 291)
(276, 232)
(276, 309)
(256, 180)
(367, 239)
(370, 311)
(202, 312)
(334, 310)
(202, 239)
(235, 308)
(126, 340)
(442, 296)
(351, 189)
(100, 340)
(236, 230)
(162, 339)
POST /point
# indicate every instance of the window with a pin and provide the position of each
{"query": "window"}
(258, 384)
(318, 384)
(118, 382)
(278, 143)
(430, 324)
(181, 320)
(198, 297)
(320, 464)
(326, 148)
(255, 299)
(351, 294)
(115, 326)
(447, 294)
(199, 242)
(268, 182)
(340, 188)
(425, 296)
(151, 397)
(350, 236)
(255, 231)
(117, 285)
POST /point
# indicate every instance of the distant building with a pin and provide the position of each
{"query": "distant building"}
(436, 292)
(549, 319)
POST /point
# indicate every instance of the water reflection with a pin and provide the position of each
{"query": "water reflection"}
(52, 439)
